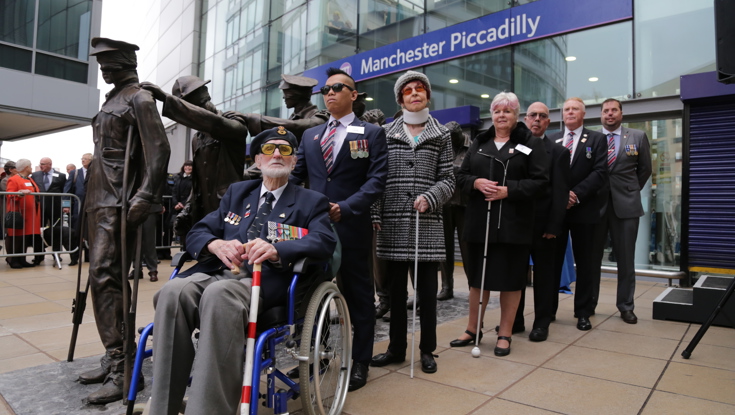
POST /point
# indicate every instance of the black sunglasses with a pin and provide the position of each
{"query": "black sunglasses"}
(336, 88)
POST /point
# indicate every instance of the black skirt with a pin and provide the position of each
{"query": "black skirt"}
(506, 270)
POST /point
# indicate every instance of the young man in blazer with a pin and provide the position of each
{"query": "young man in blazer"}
(587, 197)
(346, 160)
(629, 167)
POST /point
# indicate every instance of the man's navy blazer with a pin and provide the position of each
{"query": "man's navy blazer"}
(354, 184)
(296, 207)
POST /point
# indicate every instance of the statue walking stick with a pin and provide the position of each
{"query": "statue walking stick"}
(79, 303)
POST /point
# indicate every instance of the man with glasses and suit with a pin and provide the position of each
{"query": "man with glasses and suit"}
(347, 161)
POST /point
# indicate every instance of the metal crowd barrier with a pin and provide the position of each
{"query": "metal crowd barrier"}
(55, 233)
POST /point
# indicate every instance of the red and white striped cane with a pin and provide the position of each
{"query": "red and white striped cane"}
(247, 378)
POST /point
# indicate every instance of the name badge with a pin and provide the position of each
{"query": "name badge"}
(355, 129)
(29, 185)
(55, 174)
(523, 149)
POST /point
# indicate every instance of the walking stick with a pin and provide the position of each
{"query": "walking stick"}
(415, 294)
(79, 303)
(476, 349)
(247, 378)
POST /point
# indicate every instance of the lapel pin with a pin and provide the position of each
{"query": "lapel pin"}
(282, 215)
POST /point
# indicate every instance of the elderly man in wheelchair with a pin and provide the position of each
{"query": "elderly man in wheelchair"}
(214, 299)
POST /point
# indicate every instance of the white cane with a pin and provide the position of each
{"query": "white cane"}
(476, 349)
(415, 294)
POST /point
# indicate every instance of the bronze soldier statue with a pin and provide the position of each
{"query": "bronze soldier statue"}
(128, 119)
(219, 145)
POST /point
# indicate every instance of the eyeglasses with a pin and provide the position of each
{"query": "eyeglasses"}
(409, 90)
(270, 148)
(541, 115)
(336, 88)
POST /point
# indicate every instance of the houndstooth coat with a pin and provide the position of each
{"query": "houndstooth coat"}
(421, 170)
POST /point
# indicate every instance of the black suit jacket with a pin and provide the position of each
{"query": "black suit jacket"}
(50, 205)
(589, 177)
(551, 207)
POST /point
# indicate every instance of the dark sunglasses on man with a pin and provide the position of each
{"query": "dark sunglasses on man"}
(270, 148)
(336, 88)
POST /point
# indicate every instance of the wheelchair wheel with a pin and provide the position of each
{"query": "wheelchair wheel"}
(326, 340)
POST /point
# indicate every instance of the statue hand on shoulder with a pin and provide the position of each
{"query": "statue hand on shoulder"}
(154, 89)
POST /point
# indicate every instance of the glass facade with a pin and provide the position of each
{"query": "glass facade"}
(62, 33)
(247, 44)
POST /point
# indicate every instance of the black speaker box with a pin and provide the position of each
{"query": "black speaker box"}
(725, 40)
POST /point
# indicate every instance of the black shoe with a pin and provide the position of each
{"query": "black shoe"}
(629, 317)
(386, 317)
(465, 342)
(381, 310)
(515, 330)
(503, 351)
(445, 294)
(112, 389)
(153, 276)
(73, 262)
(428, 364)
(26, 264)
(539, 334)
(383, 359)
(16, 265)
(38, 261)
(358, 377)
(94, 376)
(583, 323)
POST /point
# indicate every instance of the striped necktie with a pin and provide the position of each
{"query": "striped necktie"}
(327, 145)
(611, 149)
(261, 217)
(570, 145)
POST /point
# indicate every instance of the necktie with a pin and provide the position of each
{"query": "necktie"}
(47, 180)
(327, 145)
(611, 149)
(570, 145)
(261, 217)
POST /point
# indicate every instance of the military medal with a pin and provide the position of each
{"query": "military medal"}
(511, 150)
(353, 149)
(589, 152)
(365, 148)
(247, 214)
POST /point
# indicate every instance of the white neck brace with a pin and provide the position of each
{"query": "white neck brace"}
(414, 118)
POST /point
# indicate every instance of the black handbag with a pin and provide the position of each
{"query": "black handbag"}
(13, 220)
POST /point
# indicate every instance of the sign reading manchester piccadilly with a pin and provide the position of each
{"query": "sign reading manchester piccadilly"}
(532, 21)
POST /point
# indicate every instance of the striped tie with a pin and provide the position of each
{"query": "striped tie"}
(261, 217)
(327, 145)
(570, 145)
(610, 149)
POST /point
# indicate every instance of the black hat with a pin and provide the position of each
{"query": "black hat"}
(185, 85)
(278, 133)
(103, 44)
(294, 81)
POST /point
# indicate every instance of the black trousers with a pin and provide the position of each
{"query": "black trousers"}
(426, 287)
(545, 281)
(584, 247)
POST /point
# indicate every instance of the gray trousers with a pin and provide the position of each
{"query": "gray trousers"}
(623, 234)
(218, 306)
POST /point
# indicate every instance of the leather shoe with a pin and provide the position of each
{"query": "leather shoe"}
(629, 317)
(583, 323)
(111, 390)
(380, 310)
(515, 330)
(428, 364)
(153, 276)
(445, 294)
(502, 351)
(73, 262)
(94, 376)
(26, 264)
(358, 377)
(465, 342)
(538, 334)
(383, 359)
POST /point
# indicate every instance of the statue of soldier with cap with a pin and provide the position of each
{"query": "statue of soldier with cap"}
(297, 95)
(129, 113)
(219, 145)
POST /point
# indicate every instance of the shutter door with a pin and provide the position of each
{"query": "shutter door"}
(712, 186)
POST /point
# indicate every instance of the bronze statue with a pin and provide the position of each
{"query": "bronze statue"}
(218, 146)
(297, 95)
(128, 138)
(373, 116)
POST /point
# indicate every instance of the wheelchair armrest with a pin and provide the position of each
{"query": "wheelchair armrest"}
(180, 258)
(301, 265)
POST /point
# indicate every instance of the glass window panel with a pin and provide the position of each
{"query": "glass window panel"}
(16, 21)
(383, 22)
(281, 7)
(443, 13)
(63, 27)
(540, 72)
(274, 101)
(15, 58)
(61, 68)
(330, 31)
(664, 51)
(602, 67)
(479, 78)
(286, 49)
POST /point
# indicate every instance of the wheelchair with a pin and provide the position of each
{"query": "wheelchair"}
(314, 329)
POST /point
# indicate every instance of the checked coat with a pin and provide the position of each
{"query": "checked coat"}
(422, 168)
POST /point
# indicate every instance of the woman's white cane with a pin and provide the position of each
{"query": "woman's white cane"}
(415, 294)
(476, 349)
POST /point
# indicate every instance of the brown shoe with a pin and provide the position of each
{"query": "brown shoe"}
(153, 276)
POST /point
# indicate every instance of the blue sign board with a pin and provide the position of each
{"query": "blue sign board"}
(532, 21)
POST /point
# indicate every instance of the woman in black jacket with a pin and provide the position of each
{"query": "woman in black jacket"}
(503, 172)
